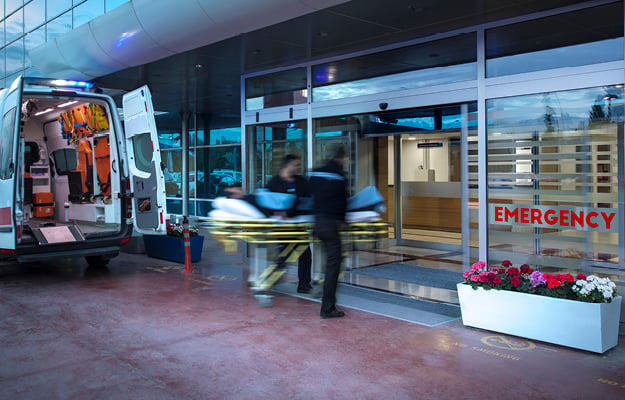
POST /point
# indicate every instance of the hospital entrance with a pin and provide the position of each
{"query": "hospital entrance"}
(426, 169)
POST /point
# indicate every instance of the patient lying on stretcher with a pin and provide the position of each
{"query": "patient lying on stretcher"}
(263, 204)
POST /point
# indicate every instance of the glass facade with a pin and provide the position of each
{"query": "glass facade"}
(553, 162)
(572, 39)
(539, 171)
(214, 159)
(26, 24)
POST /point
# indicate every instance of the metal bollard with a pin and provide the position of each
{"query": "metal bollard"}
(187, 245)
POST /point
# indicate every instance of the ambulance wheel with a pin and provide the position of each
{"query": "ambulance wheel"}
(97, 261)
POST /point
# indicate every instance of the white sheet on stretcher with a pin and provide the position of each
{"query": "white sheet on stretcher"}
(351, 217)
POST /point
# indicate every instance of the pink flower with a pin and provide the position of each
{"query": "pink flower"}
(478, 266)
(465, 274)
(474, 278)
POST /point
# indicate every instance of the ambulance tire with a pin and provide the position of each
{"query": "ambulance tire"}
(98, 261)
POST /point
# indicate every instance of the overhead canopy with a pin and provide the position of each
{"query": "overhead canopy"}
(142, 31)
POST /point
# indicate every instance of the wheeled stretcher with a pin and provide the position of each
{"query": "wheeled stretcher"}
(264, 234)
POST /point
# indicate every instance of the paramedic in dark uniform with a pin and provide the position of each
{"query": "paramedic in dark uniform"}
(289, 181)
(329, 188)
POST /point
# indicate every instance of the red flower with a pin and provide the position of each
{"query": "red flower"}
(581, 277)
(525, 269)
(553, 283)
(513, 271)
(506, 263)
(496, 280)
(515, 281)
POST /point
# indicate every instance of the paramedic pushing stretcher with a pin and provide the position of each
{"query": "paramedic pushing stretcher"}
(288, 181)
(329, 190)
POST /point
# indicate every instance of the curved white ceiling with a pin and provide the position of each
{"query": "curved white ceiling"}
(142, 31)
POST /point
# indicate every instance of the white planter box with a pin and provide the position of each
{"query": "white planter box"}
(587, 326)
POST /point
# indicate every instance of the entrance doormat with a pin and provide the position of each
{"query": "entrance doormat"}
(390, 305)
(434, 277)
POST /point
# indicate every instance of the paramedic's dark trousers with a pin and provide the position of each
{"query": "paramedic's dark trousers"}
(328, 231)
(304, 267)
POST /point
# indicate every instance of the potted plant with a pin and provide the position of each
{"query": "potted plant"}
(171, 246)
(581, 312)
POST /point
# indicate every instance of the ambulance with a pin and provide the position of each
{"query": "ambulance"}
(74, 182)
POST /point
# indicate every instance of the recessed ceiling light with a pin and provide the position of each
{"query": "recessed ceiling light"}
(198, 65)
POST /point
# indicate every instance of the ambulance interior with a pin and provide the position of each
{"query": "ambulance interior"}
(70, 163)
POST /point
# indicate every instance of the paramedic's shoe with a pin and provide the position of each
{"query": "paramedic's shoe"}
(306, 290)
(332, 314)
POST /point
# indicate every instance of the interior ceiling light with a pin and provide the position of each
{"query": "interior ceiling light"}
(199, 65)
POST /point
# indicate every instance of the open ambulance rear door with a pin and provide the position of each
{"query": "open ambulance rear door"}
(9, 142)
(147, 180)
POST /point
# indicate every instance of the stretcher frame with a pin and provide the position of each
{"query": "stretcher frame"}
(263, 234)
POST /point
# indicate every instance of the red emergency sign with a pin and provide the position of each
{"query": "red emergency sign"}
(578, 218)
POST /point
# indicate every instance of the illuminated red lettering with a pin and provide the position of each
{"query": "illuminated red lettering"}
(549, 219)
(564, 217)
(577, 218)
(608, 221)
(525, 215)
(589, 222)
(510, 214)
(498, 214)
(536, 216)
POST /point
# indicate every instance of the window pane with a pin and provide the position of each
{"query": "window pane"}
(15, 57)
(278, 89)
(553, 162)
(87, 11)
(56, 7)
(173, 172)
(225, 135)
(111, 4)
(142, 145)
(578, 38)
(14, 26)
(32, 40)
(12, 5)
(60, 26)
(34, 14)
(217, 168)
(439, 62)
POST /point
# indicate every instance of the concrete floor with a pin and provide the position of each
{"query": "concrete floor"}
(143, 329)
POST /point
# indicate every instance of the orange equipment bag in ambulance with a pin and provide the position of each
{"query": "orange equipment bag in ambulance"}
(103, 164)
(43, 205)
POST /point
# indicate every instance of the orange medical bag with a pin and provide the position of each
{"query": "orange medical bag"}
(43, 205)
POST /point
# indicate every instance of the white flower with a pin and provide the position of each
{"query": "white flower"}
(602, 286)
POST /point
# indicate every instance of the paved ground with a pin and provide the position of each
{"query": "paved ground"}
(142, 329)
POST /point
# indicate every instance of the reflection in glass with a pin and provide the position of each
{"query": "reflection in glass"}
(60, 25)
(15, 57)
(434, 63)
(225, 135)
(554, 150)
(34, 14)
(87, 11)
(57, 7)
(14, 26)
(577, 38)
(277, 89)
(272, 142)
(111, 4)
